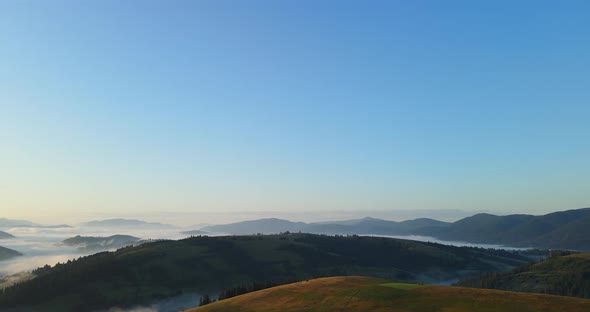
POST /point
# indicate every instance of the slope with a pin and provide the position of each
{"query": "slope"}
(354, 293)
(210, 264)
(568, 229)
(560, 275)
(4, 235)
(100, 243)
(7, 253)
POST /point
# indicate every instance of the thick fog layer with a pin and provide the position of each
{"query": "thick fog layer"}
(41, 246)
(451, 243)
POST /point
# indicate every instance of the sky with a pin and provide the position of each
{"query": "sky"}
(184, 110)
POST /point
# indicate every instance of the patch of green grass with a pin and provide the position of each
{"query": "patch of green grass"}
(404, 286)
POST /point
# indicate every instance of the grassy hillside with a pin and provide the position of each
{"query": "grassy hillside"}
(368, 294)
(136, 275)
(100, 243)
(560, 275)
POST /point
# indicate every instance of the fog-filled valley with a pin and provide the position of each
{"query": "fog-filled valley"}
(41, 246)
(176, 266)
(45, 245)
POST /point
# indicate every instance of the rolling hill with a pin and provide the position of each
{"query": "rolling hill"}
(194, 232)
(164, 269)
(12, 223)
(100, 243)
(263, 226)
(355, 293)
(7, 253)
(568, 229)
(567, 275)
(4, 235)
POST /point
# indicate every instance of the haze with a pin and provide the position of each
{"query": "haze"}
(213, 111)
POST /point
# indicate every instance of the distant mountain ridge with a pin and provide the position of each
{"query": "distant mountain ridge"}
(7, 253)
(100, 243)
(12, 223)
(4, 235)
(357, 226)
(127, 223)
(568, 229)
(264, 226)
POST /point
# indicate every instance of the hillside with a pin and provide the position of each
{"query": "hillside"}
(559, 275)
(210, 264)
(263, 226)
(8, 223)
(6, 253)
(568, 229)
(100, 243)
(354, 293)
(4, 235)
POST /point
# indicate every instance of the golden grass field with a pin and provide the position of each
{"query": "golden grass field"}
(355, 293)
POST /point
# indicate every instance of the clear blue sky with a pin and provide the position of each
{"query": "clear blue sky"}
(200, 106)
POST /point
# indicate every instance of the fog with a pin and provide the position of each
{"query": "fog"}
(173, 304)
(41, 246)
(451, 243)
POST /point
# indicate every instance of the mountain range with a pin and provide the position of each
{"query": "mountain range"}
(359, 226)
(561, 274)
(12, 223)
(127, 223)
(568, 229)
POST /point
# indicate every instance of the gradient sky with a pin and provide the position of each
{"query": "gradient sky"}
(131, 108)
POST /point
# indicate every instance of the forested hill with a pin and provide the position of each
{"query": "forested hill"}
(7, 253)
(567, 275)
(100, 243)
(568, 229)
(210, 264)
